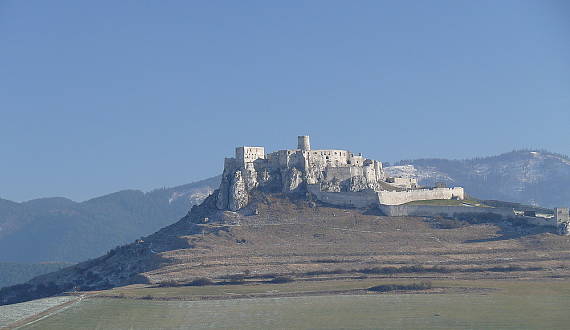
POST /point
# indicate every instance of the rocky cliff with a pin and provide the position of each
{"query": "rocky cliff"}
(237, 183)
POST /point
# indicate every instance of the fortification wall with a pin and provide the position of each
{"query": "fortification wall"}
(343, 173)
(359, 199)
(453, 211)
(368, 198)
(356, 160)
(403, 197)
(329, 157)
(286, 159)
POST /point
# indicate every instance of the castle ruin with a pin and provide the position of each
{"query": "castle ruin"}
(335, 176)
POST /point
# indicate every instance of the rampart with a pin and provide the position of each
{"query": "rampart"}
(367, 198)
(403, 197)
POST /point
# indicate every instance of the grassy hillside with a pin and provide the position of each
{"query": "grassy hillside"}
(289, 236)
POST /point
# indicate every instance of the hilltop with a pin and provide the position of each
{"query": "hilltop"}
(283, 234)
(526, 177)
(298, 212)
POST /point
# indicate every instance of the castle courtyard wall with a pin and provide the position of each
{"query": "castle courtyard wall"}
(368, 198)
(403, 197)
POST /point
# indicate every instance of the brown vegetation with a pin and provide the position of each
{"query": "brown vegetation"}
(291, 236)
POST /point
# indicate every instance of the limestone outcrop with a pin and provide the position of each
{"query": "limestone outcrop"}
(238, 192)
(293, 180)
(331, 186)
(223, 194)
(358, 183)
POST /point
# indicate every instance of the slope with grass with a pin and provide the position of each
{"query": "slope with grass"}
(285, 235)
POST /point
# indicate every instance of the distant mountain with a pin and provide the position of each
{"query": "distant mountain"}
(14, 273)
(538, 178)
(59, 229)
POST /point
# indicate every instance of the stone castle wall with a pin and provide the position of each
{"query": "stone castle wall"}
(249, 154)
(403, 197)
(367, 198)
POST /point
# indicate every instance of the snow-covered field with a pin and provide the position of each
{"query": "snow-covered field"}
(13, 313)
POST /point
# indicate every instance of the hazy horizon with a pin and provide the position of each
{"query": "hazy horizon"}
(100, 97)
(386, 163)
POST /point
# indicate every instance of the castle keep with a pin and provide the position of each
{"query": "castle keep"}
(336, 176)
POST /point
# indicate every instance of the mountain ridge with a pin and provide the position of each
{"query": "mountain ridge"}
(87, 229)
(539, 178)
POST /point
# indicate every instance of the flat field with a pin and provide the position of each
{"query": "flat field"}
(13, 313)
(481, 304)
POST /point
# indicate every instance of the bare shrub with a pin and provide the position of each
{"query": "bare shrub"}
(424, 285)
(282, 279)
(168, 284)
(201, 281)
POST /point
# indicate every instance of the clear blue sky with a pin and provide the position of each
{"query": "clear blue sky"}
(98, 96)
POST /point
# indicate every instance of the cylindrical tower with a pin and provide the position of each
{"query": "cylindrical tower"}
(303, 142)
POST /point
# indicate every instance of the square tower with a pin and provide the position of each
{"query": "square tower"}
(249, 154)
